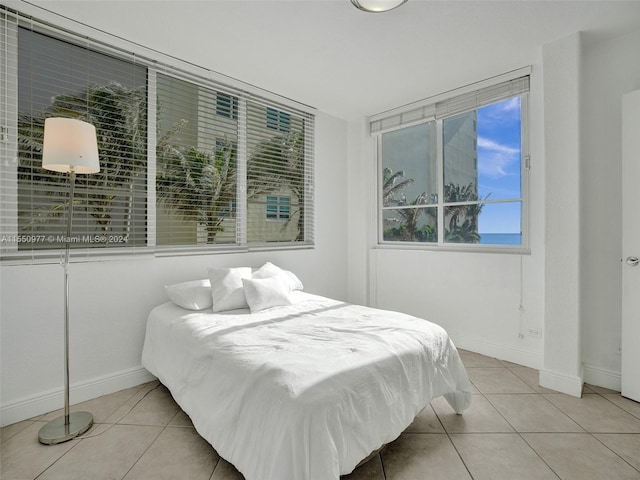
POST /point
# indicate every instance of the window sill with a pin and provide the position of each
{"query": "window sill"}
(51, 257)
(475, 248)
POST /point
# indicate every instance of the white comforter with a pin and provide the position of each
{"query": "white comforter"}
(302, 392)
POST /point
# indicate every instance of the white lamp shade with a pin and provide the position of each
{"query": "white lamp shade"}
(70, 145)
(377, 5)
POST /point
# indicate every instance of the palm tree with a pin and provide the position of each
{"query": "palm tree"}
(198, 185)
(410, 216)
(407, 230)
(467, 232)
(390, 189)
(463, 218)
(119, 115)
(276, 163)
(201, 186)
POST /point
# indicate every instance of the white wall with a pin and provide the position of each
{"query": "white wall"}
(610, 69)
(571, 280)
(110, 300)
(360, 217)
(586, 81)
(475, 297)
(562, 86)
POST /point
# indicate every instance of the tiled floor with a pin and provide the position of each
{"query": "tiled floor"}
(513, 430)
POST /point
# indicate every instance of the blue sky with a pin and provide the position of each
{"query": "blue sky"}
(499, 156)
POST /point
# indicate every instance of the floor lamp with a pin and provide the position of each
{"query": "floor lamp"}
(69, 146)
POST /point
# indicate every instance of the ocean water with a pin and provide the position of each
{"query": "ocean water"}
(501, 239)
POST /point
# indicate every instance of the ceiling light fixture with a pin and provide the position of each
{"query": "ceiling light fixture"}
(376, 6)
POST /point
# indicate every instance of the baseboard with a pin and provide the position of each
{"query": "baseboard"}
(560, 382)
(602, 377)
(502, 352)
(44, 402)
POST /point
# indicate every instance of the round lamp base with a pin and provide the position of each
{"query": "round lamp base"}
(56, 431)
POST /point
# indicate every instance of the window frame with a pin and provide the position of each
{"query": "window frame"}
(424, 112)
(155, 62)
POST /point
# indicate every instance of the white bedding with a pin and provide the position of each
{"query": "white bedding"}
(305, 391)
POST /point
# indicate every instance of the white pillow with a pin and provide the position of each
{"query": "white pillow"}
(192, 295)
(269, 270)
(226, 288)
(264, 293)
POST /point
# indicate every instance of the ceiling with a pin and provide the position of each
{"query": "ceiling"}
(345, 62)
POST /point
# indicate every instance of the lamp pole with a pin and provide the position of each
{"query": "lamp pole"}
(70, 146)
(72, 182)
(71, 424)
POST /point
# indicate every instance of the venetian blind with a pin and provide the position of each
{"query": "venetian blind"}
(196, 164)
(279, 175)
(220, 161)
(178, 147)
(454, 102)
(8, 132)
(59, 78)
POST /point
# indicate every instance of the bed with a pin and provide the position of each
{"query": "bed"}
(304, 388)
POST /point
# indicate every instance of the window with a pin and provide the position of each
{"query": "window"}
(196, 165)
(226, 105)
(410, 188)
(277, 120)
(57, 78)
(275, 167)
(199, 168)
(218, 152)
(454, 172)
(277, 208)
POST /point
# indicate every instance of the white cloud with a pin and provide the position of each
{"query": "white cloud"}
(496, 147)
(510, 105)
(501, 111)
(495, 158)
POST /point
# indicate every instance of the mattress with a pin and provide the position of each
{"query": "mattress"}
(304, 391)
